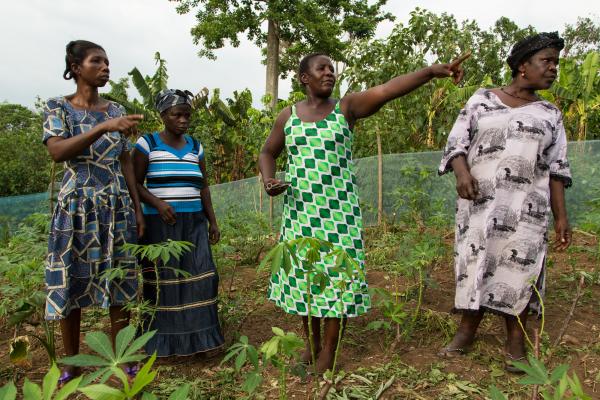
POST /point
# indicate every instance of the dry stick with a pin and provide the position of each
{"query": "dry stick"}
(567, 320)
(536, 352)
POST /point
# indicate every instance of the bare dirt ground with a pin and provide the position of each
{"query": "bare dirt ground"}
(370, 358)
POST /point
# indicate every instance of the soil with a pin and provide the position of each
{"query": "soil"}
(366, 349)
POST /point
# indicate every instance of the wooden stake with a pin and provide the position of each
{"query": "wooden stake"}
(536, 352)
(379, 179)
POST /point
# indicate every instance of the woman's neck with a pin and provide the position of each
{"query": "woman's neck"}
(316, 101)
(171, 138)
(522, 90)
(86, 96)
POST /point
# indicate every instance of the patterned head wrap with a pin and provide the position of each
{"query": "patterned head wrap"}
(172, 97)
(532, 44)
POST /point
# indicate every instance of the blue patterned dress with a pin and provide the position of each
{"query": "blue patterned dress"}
(93, 218)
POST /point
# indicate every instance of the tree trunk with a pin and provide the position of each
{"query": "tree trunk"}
(272, 62)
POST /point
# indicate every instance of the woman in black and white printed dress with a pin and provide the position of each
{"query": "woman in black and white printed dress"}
(508, 150)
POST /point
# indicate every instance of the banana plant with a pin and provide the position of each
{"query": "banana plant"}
(576, 90)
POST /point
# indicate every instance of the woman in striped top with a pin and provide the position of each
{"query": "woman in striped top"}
(177, 206)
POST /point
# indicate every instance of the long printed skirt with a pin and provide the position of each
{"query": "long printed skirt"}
(186, 318)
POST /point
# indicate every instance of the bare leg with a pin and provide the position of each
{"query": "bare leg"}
(119, 319)
(69, 329)
(465, 334)
(331, 332)
(515, 337)
(316, 329)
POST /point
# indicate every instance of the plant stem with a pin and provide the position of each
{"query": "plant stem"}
(282, 386)
(310, 329)
(419, 302)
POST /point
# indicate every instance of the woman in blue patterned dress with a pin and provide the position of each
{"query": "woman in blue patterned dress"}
(178, 206)
(98, 206)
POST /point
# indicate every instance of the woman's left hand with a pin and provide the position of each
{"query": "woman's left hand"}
(214, 234)
(141, 224)
(453, 69)
(563, 234)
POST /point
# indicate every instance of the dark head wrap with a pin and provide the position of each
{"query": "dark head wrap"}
(172, 97)
(532, 44)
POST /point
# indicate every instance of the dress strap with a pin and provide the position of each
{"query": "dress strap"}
(151, 140)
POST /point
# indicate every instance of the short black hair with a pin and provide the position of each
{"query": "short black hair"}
(77, 50)
(305, 63)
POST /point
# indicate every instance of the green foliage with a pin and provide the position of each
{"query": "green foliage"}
(232, 133)
(22, 296)
(423, 120)
(25, 162)
(159, 252)
(553, 385)
(304, 26)
(108, 362)
(281, 351)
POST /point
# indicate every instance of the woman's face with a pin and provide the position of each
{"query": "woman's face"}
(177, 119)
(541, 68)
(320, 78)
(94, 68)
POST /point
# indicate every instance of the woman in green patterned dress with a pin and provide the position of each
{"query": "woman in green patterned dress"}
(321, 199)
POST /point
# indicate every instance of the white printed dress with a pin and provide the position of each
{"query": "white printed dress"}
(501, 237)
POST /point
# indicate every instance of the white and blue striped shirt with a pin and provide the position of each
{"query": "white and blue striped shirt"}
(173, 175)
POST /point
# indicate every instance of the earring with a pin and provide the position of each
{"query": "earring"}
(523, 74)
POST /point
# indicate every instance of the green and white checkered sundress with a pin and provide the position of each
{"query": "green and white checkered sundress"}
(322, 202)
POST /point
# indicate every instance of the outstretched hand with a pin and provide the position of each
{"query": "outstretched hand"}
(126, 124)
(452, 69)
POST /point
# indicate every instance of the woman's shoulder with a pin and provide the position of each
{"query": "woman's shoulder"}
(55, 102)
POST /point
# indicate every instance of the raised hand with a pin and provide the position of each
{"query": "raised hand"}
(452, 69)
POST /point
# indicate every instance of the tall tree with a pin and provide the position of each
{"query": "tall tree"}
(294, 28)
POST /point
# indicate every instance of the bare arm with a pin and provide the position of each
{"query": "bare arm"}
(62, 149)
(272, 148)
(363, 104)
(128, 173)
(213, 230)
(559, 210)
(140, 166)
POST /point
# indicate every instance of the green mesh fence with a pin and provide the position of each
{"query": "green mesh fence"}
(410, 182)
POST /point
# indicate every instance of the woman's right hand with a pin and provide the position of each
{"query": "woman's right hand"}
(467, 186)
(166, 212)
(274, 187)
(125, 124)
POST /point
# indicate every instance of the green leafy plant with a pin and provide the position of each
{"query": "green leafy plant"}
(245, 353)
(48, 390)
(106, 359)
(159, 255)
(307, 252)
(553, 385)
